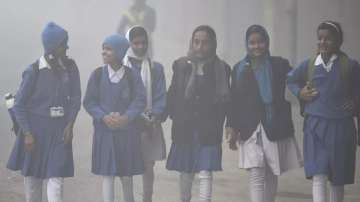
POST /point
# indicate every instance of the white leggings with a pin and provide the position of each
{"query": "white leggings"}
(263, 185)
(320, 189)
(148, 181)
(205, 186)
(108, 188)
(33, 189)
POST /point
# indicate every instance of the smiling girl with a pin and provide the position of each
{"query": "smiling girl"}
(325, 85)
(261, 117)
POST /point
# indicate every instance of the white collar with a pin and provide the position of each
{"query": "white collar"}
(115, 76)
(320, 61)
(43, 63)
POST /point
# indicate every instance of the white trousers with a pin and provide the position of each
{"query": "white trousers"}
(320, 188)
(127, 187)
(263, 184)
(205, 186)
(148, 181)
(33, 189)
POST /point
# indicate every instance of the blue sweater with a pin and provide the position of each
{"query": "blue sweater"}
(103, 97)
(330, 85)
(158, 89)
(52, 88)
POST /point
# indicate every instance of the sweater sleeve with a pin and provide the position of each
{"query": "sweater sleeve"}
(91, 99)
(23, 94)
(75, 94)
(295, 79)
(137, 105)
(159, 93)
(231, 113)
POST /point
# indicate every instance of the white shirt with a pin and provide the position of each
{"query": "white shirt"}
(320, 61)
(115, 76)
(43, 63)
(200, 69)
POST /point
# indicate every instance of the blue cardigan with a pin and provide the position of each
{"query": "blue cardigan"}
(44, 89)
(158, 89)
(99, 101)
(330, 85)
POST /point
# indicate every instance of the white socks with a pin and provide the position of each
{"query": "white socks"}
(55, 189)
(320, 189)
(108, 188)
(33, 189)
(205, 186)
(263, 185)
(205, 178)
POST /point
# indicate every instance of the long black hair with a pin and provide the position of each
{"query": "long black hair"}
(211, 33)
(260, 30)
(136, 32)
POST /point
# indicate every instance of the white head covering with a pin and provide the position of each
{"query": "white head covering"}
(145, 71)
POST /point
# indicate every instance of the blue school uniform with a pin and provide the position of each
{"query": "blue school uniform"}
(158, 88)
(115, 152)
(39, 91)
(154, 148)
(194, 157)
(329, 130)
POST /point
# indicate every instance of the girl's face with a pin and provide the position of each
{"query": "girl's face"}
(201, 45)
(327, 43)
(139, 46)
(108, 55)
(60, 52)
(256, 45)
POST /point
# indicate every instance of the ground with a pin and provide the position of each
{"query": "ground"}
(230, 185)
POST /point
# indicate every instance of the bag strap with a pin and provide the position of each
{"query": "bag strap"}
(36, 70)
(310, 70)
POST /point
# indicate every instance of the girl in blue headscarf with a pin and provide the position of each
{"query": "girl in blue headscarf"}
(115, 96)
(260, 119)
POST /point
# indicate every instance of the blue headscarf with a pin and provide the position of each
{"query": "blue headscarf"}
(53, 37)
(119, 44)
(263, 72)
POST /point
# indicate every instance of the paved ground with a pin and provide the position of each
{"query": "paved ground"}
(229, 186)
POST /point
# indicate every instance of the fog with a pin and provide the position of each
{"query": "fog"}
(291, 25)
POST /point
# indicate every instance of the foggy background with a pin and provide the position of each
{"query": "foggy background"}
(291, 24)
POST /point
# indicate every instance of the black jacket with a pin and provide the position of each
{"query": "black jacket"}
(248, 109)
(199, 113)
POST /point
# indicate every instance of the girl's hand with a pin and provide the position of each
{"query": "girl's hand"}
(349, 105)
(308, 93)
(29, 142)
